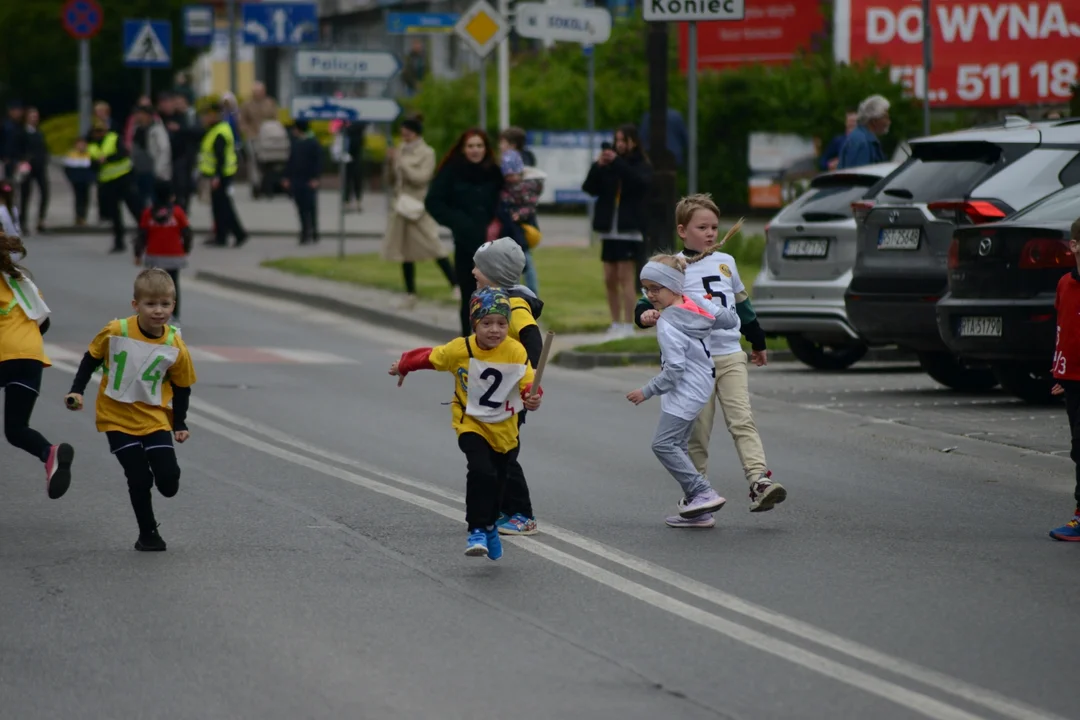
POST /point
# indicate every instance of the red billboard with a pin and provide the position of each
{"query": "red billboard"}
(772, 33)
(984, 53)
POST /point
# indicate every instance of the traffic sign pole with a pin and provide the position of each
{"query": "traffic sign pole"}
(85, 87)
(483, 94)
(232, 45)
(82, 20)
(692, 111)
(504, 71)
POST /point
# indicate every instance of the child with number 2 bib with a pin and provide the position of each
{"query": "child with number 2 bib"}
(142, 402)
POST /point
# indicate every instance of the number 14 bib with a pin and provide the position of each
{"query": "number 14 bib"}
(136, 369)
(493, 391)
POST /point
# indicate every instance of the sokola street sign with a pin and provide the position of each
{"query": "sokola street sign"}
(693, 10)
(588, 26)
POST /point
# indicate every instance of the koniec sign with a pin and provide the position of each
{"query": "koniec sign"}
(984, 53)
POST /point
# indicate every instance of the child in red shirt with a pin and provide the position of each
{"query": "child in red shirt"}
(164, 238)
(1067, 369)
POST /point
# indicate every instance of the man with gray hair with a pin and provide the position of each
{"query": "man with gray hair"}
(862, 146)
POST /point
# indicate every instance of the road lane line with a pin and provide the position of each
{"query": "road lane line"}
(932, 678)
(940, 681)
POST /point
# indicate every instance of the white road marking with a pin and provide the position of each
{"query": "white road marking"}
(59, 354)
(200, 355)
(310, 357)
(916, 701)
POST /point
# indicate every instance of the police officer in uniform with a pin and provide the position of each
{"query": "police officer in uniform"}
(217, 165)
(114, 179)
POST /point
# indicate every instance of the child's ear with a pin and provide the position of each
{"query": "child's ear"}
(681, 229)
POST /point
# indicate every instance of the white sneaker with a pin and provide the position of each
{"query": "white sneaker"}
(408, 303)
(766, 494)
(614, 332)
(627, 330)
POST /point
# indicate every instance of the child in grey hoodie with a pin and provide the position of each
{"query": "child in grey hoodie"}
(685, 381)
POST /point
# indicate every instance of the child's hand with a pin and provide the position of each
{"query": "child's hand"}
(637, 397)
(650, 317)
(181, 435)
(759, 357)
(532, 402)
(394, 371)
(1057, 389)
(73, 401)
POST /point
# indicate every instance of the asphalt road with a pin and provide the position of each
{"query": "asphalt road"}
(316, 569)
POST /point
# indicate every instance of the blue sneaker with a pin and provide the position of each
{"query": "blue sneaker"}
(1070, 531)
(478, 544)
(494, 543)
(516, 525)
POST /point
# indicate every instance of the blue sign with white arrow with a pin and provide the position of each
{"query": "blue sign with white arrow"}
(147, 43)
(276, 24)
(420, 23)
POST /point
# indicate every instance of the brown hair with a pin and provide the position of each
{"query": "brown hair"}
(154, 283)
(458, 151)
(515, 136)
(9, 245)
(672, 261)
(690, 204)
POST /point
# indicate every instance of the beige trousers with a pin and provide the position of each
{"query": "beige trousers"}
(732, 392)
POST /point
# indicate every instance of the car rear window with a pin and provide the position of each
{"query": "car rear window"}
(939, 172)
(828, 201)
(1061, 207)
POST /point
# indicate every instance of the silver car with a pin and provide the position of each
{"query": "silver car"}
(809, 253)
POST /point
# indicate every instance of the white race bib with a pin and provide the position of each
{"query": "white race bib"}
(29, 299)
(493, 391)
(136, 370)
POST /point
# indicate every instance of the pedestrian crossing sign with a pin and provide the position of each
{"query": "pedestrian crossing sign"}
(147, 43)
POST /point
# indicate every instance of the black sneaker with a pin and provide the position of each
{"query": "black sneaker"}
(150, 542)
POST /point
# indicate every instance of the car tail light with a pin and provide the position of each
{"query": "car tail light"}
(954, 254)
(1046, 254)
(977, 211)
(861, 208)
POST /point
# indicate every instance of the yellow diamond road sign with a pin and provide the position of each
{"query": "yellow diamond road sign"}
(482, 27)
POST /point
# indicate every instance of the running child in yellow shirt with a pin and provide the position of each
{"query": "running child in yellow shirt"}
(24, 318)
(143, 398)
(484, 416)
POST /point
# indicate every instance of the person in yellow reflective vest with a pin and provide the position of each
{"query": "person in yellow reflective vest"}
(218, 164)
(113, 165)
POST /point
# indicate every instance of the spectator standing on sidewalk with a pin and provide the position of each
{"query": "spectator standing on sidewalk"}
(77, 167)
(217, 166)
(302, 174)
(113, 164)
(35, 152)
(464, 197)
(11, 139)
(102, 117)
(354, 132)
(150, 152)
(412, 235)
(182, 144)
(830, 159)
(862, 146)
(1066, 371)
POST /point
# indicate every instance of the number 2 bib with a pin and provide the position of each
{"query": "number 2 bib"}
(136, 369)
(27, 297)
(493, 391)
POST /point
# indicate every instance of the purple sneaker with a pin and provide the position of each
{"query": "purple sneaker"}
(706, 502)
(701, 521)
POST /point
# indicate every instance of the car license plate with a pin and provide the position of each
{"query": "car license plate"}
(980, 327)
(806, 248)
(898, 239)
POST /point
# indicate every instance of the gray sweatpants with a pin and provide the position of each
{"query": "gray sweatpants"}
(671, 447)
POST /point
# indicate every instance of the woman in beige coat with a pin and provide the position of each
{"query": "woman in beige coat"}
(412, 235)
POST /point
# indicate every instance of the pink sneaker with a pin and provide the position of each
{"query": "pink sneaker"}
(58, 470)
(706, 502)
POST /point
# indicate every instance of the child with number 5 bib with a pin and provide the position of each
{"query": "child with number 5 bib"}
(685, 381)
(492, 382)
(143, 399)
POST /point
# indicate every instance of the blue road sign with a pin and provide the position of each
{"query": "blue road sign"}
(318, 107)
(198, 25)
(147, 43)
(280, 24)
(420, 23)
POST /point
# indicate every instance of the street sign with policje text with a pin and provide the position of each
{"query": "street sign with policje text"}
(342, 65)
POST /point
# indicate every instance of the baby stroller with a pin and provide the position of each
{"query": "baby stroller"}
(269, 154)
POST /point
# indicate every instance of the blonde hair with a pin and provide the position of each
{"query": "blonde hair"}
(9, 245)
(154, 283)
(684, 213)
(672, 261)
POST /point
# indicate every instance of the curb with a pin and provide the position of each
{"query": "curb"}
(587, 361)
(380, 316)
(107, 230)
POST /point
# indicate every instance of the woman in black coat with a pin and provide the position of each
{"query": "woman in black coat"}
(464, 197)
(620, 180)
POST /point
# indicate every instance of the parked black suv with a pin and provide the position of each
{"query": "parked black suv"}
(906, 222)
(1002, 282)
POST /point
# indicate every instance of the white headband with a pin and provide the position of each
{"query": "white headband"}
(661, 274)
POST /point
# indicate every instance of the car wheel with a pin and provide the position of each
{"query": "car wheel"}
(1029, 384)
(954, 373)
(825, 357)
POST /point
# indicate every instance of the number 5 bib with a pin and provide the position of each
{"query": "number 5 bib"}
(136, 369)
(493, 391)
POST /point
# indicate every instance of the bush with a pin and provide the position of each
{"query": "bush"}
(548, 88)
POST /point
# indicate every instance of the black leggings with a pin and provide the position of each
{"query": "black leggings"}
(148, 460)
(1072, 407)
(516, 498)
(484, 479)
(409, 270)
(21, 380)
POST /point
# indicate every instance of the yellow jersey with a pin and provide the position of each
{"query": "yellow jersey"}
(20, 337)
(521, 316)
(455, 358)
(138, 418)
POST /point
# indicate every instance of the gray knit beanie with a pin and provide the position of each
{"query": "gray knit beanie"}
(502, 261)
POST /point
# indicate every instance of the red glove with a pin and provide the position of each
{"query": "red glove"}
(528, 389)
(418, 359)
